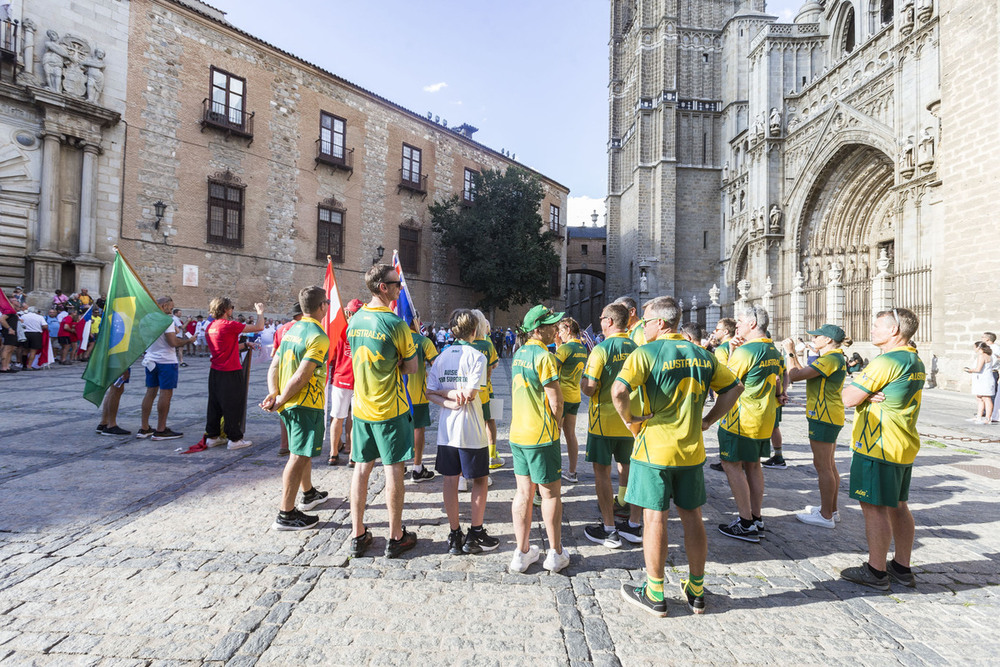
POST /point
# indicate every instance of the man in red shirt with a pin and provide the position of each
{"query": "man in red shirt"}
(341, 389)
(278, 334)
(225, 378)
(67, 331)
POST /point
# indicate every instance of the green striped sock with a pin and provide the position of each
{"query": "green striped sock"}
(696, 585)
(654, 589)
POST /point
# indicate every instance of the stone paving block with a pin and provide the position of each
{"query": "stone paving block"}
(227, 646)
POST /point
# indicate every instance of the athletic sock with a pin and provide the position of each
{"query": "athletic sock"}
(633, 525)
(755, 517)
(899, 568)
(477, 529)
(746, 523)
(493, 451)
(608, 529)
(696, 585)
(878, 573)
(419, 468)
(654, 589)
(621, 494)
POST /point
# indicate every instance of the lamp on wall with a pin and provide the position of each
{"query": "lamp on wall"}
(379, 251)
(581, 284)
(159, 208)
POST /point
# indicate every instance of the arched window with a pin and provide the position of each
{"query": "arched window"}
(849, 35)
(887, 12)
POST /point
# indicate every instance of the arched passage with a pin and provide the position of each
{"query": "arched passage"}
(585, 297)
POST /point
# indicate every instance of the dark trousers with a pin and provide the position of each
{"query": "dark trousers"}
(225, 401)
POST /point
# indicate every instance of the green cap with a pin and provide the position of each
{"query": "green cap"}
(538, 316)
(831, 331)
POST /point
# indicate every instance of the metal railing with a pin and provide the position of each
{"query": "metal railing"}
(326, 153)
(781, 318)
(8, 38)
(232, 120)
(858, 308)
(410, 180)
(815, 307)
(914, 291)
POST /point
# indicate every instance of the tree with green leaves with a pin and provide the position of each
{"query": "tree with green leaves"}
(502, 250)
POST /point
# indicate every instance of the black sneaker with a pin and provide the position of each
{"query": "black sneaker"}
(360, 544)
(144, 433)
(477, 541)
(628, 533)
(737, 531)
(455, 542)
(166, 434)
(863, 575)
(760, 527)
(695, 603)
(295, 520)
(621, 511)
(101, 427)
(898, 576)
(776, 462)
(115, 430)
(716, 466)
(423, 475)
(636, 596)
(311, 498)
(609, 538)
(396, 548)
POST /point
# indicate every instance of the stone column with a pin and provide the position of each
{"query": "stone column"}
(28, 57)
(767, 299)
(835, 296)
(713, 313)
(680, 305)
(883, 287)
(798, 306)
(88, 188)
(48, 205)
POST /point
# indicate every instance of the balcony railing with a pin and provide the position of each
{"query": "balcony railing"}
(8, 39)
(233, 121)
(326, 154)
(409, 180)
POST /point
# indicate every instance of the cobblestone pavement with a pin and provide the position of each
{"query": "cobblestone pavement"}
(121, 551)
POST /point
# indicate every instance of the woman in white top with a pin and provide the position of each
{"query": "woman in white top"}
(984, 385)
(454, 382)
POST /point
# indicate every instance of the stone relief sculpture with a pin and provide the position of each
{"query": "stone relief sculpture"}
(925, 151)
(775, 216)
(758, 126)
(906, 17)
(71, 68)
(774, 122)
(906, 163)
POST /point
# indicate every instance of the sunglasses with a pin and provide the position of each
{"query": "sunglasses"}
(392, 282)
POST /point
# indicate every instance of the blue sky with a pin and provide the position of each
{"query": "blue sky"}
(532, 75)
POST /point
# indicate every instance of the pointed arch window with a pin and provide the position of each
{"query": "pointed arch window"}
(848, 32)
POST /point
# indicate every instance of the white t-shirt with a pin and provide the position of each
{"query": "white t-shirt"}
(161, 352)
(199, 330)
(33, 322)
(460, 367)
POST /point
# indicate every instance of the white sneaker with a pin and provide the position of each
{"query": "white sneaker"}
(489, 481)
(521, 560)
(463, 484)
(570, 477)
(556, 561)
(239, 444)
(815, 508)
(215, 442)
(496, 462)
(815, 519)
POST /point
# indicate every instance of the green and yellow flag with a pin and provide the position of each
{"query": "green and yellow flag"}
(132, 322)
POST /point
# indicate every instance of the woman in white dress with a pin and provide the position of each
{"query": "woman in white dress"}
(984, 385)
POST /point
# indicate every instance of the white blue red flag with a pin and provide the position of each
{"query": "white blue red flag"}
(404, 306)
(88, 322)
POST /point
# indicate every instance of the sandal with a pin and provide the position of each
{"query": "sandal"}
(333, 460)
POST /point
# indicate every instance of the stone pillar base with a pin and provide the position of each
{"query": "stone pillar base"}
(88, 274)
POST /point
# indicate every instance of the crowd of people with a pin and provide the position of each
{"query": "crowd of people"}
(648, 379)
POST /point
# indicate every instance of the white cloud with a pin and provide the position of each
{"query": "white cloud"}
(435, 87)
(581, 208)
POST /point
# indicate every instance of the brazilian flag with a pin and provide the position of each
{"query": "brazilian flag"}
(132, 322)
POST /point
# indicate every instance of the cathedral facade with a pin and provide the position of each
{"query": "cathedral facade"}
(803, 166)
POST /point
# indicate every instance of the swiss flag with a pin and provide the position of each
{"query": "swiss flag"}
(336, 320)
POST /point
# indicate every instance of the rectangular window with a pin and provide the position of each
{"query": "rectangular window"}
(409, 249)
(330, 233)
(604, 249)
(554, 218)
(411, 164)
(332, 135)
(583, 249)
(228, 99)
(469, 188)
(225, 214)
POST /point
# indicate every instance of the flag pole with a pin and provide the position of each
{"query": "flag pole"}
(329, 380)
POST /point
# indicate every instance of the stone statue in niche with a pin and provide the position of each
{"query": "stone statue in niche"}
(774, 122)
(759, 221)
(53, 60)
(906, 163)
(95, 76)
(925, 150)
(725, 172)
(775, 219)
(906, 16)
(758, 126)
(643, 282)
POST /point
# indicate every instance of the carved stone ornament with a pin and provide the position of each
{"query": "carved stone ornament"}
(925, 151)
(883, 263)
(72, 68)
(836, 273)
(229, 178)
(774, 122)
(694, 302)
(906, 161)
(643, 282)
(774, 217)
(713, 295)
(743, 287)
(798, 281)
(768, 286)
(925, 8)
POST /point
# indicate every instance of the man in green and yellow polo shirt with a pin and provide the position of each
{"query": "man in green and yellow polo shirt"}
(887, 396)
(571, 357)
(635, 327)
(667, 462)
(825, 414)
(416, 385)
(296, 381)
(485, 345)
(745, 433)
(725, 329)
(607, 436)
(536, 411)
(382, 352)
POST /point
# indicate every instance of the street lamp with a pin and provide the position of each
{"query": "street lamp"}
(379, 251)
(159, 208)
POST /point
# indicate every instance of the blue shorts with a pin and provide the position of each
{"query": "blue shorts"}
(469, 463)
(163, 376)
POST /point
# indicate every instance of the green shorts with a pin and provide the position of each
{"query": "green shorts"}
(777, 417)
(823, 432)
(734, 447)
(653, 488)
(487, 415)
(542, 463)
(601, 449)
(306, 430)
(571, 408)
(879, 483)
(421, 415)
(390, 440)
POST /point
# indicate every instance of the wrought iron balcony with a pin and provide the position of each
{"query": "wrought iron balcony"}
(326, 153)
(8, 39)
(233, 121)
(411, 180)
